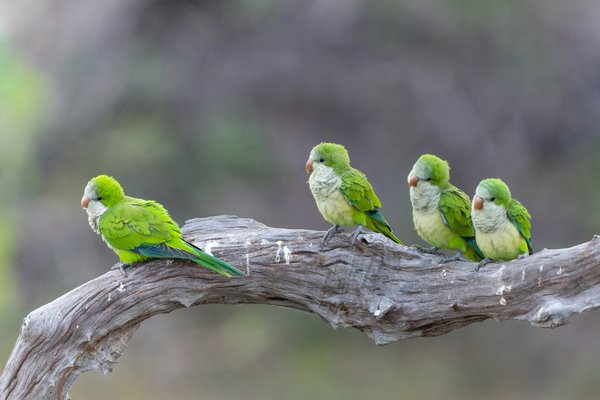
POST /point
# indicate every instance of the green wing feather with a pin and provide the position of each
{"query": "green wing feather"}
(144, 227)
(359, 193)
(455, 207)
(134, 222)
(521, 219)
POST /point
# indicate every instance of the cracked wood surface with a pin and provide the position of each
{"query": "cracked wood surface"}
(385, 290)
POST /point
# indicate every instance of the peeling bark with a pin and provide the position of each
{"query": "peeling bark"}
(387, 291)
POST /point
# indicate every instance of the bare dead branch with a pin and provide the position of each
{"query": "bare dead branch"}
(387, 291)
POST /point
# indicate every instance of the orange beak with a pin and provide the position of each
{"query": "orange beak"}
(309, 166)
(85, 201)
(477, 203)
(413, 181)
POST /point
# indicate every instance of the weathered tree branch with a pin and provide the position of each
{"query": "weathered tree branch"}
(390, 292)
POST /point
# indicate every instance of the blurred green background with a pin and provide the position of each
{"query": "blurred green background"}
(211, 107)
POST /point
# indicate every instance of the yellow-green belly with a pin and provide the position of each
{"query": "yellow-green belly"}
(503, 244)
(336, 210)
(431, 228)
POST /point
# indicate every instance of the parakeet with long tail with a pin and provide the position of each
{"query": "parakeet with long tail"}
(343, 194)
(441, 211)
(139, 230)
(502, 224)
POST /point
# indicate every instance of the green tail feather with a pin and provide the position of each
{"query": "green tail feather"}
(473, 252)
(218, 265)
(383, 228)
(211, 262)
(187, 251)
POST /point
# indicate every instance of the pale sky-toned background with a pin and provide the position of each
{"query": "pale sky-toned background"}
(211, 107)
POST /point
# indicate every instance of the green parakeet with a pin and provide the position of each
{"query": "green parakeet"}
(343, 194)
(140, 230)
(502, 224)
(441, 211)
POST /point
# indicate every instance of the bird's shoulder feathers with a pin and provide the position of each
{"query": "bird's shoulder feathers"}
(454, 204)
(358, 191)
(133, 222)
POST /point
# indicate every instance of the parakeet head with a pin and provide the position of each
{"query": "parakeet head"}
(492, 193)
(101, 193)
(430, 169)
(331, 155)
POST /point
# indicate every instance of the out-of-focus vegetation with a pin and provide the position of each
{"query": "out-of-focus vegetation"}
(211, 107)
(22, 93)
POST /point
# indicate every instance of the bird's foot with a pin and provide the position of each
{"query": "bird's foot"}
(457, 257)
(483, 262)
(427, 250)
(330, 232)
(354, 235)
(121, 266)
(522, 256)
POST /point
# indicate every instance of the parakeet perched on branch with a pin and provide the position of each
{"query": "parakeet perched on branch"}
(441, 211)
(140, 230)
(343, 194)
(502, 224)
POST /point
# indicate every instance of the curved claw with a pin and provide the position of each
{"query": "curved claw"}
(427, 250)
(355, 234)
(457, 257)
(483, 262)
(122, 267)
(330, 232)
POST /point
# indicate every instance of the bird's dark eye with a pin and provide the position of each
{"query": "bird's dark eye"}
(98, 198)
(428, 179)
(321, 160)
(493, 199)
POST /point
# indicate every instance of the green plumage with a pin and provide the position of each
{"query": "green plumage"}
(343, 194)
(358, 191)
(139, 230)
(502, 224)
(360, 194)
(521, 219)
(441, 211)
(455, 207)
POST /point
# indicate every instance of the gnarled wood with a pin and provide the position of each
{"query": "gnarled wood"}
(388, 291)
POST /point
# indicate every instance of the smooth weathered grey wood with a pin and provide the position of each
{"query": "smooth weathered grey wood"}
(389, 292)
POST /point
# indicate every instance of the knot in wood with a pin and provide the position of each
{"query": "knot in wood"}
(551, 314)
